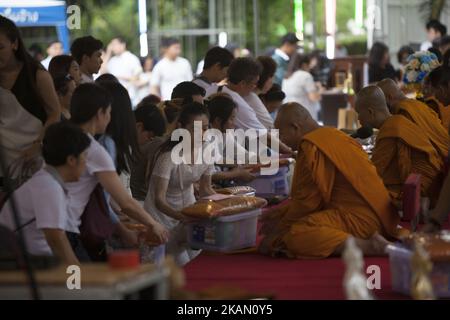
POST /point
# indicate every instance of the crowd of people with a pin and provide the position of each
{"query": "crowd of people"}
(101, 120)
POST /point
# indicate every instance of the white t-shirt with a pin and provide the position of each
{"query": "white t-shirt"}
(297, 87)
(126, 65)
(425, 45)
(46, 62)
(210, 88)
(180, 194)
(86, 79)
(98, 160)
(245, 117)
(260, 109)
(44, 199)
(168, 73)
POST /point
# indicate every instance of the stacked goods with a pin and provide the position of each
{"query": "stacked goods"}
(225, 207)
(437, 247)
(224, 225)
(237, 191)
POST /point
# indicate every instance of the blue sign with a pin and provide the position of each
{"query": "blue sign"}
(40, 16)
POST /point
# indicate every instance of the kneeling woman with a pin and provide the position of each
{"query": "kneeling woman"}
(172, 185)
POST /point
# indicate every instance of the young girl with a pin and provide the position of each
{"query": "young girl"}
(64, 86)
(65, 65)
(222, 110)
(91, 111)
(172, 185)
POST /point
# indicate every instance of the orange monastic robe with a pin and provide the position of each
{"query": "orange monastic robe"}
(336, 192)
(403, 148)
(442, 111)
(427, 120)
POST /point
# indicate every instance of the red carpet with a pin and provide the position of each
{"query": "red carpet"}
(286, 279)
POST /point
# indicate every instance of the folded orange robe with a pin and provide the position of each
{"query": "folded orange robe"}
(336, 192)
(442, 111)
(428, 121)
(403, 148)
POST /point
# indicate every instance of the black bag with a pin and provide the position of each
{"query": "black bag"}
(96, 225)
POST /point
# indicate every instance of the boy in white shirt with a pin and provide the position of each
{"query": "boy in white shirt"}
(217, 61)
(42, 201)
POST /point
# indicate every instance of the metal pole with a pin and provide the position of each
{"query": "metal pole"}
(256, 26)
(155, 27)
(212, 20)
(314, 17)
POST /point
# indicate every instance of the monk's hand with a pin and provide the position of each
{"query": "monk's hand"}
(244, 174)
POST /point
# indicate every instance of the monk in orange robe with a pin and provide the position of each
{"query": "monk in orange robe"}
(336, 193)
(437, 90)
(419, 113)
(401, 148)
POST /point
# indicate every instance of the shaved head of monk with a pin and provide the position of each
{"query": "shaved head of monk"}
(392, 93)
(293, 122)
(371, 107)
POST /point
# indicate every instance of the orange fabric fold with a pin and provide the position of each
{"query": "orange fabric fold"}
(442, 111)
(428, 121)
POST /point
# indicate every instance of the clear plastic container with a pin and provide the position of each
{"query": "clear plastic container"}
(271, 186)
(224, 234)
(400, 263)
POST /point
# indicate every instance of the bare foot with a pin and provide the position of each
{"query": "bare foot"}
(379, 244)
(374, 246)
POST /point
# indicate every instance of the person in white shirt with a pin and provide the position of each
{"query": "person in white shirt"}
(124, 65)
(264, 84)
(91, 111)
(300, 87)
(170, 70)
(215, 68)
(42, 201)
(87, 51)
(435, 30)
(54, 49)
(243, 76)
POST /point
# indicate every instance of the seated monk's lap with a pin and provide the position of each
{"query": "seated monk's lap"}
(319, 234)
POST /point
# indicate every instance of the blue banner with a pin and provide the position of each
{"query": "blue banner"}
(40, 16)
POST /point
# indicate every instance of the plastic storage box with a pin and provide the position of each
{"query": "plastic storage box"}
(400, 263)
(272, 186)
(226, 233)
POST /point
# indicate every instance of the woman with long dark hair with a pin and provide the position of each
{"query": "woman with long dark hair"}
(172, 185)
(120, 141)
(29, 103)
(380, 66)
(120, 138)
(64, 65)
